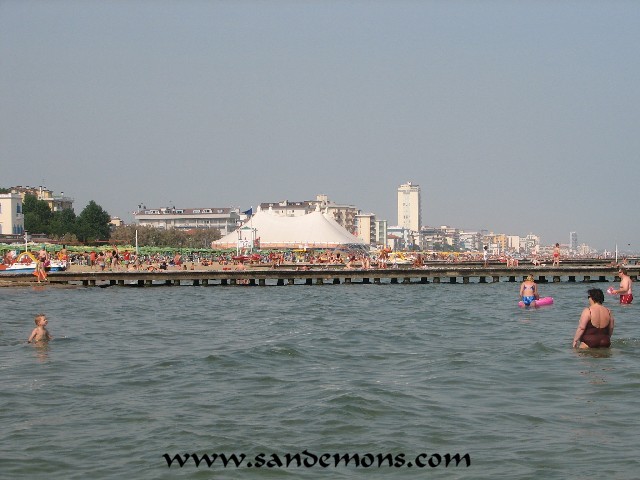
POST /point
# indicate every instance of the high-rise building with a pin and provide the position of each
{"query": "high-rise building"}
(573, 241)
(409, 209)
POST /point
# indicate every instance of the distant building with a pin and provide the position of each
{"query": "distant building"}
(286, 208)
(394, 242)
(431, 238)
(530, 244)
(366, 225)
(441, 238)
(116, 222)
(56, 202)
(584, 250)
(345, 215)
(471, 241)
(499, 241)
(409, 209)
(573, 242)
(224, 219)
(11, 216)
(399, 238)
(381, 233)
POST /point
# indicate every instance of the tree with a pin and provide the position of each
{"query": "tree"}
(93, 223)
(156, 237)
(37, 215)
(63, 222)
(202, 237)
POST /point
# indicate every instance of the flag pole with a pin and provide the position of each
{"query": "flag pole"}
(253, 234)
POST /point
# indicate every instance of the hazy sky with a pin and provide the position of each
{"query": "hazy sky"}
(512, 116)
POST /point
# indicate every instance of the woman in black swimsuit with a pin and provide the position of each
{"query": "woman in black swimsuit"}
(596, 323)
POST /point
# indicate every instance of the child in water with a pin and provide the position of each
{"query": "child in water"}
(40, 333)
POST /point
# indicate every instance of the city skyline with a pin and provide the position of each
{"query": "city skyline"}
(510, 116)
(407, 193)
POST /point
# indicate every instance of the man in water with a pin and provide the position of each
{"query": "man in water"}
(626, 296)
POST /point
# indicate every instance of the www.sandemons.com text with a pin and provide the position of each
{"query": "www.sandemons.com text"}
(306, 459)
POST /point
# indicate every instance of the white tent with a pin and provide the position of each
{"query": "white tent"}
(268, 230)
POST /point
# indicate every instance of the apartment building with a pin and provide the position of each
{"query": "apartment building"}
(224, 219)
(11, 216)
(366, 228)
(56, 202)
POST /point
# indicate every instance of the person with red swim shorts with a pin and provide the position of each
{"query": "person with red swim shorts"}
(625, 290)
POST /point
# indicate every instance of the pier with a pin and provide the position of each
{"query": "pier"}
(332, 275)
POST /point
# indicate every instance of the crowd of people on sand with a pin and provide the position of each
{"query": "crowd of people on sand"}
(115, 259)
(596, 323)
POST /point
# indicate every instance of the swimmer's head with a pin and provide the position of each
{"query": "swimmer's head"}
(40, 318)
(530, 278)
(596, 295)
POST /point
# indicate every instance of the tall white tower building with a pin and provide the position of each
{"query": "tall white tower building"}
(409, 209)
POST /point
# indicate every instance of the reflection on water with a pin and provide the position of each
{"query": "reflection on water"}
(41, 350)
(595, 352)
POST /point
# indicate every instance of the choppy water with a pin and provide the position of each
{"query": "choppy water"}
(134, 373)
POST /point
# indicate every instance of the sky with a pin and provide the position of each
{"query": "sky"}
(516, 117)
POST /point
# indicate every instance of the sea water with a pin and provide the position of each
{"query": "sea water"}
(423, 373)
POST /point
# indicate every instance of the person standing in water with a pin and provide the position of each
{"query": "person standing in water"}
(596, 323)
(529, 292)
(625, 290)
(40, 333)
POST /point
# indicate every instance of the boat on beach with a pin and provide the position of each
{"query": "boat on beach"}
(26, 263)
